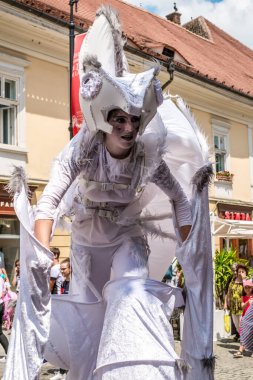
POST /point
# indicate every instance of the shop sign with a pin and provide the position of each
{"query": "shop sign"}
(237, 215)
(6, 206)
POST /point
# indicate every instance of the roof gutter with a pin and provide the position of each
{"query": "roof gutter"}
(62, 22)
(210, 81)
(172, 66)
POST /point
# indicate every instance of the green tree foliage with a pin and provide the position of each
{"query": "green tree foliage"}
(223, 261)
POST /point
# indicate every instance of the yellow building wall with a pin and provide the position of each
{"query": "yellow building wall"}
(47, 116)
(239, 161)
(203, 120)
(238, 151)
(47, 121)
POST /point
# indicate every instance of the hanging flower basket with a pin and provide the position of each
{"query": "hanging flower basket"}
(224, 176)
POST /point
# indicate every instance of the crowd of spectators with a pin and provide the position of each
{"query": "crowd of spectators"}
(239, 298)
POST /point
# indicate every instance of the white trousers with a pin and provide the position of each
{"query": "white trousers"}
(132, 336)
(101, 264)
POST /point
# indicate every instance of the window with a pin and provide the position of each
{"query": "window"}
(12, 101)
(8, 110)
(220, 152)
(221, 144)
(168, 52)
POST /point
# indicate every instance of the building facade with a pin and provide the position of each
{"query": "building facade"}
(212, 74)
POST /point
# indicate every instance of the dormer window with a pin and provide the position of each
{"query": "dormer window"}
(168, 52)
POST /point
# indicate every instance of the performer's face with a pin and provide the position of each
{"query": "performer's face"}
(124, 133)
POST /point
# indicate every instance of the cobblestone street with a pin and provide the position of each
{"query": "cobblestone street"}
(227, 368)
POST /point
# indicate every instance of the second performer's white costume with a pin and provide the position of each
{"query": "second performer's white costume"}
(115, 321)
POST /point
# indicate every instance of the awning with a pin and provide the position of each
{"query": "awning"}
(233, 229)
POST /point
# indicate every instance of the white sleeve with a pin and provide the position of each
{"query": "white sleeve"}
(65, 169)
(54, 272)
(163, 178)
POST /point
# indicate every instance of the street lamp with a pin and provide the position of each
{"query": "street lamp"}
(170, 70)
(71, 54)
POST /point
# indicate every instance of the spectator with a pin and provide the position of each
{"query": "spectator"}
(170, 276)
(3, 340)
(66, 273)
(55, 274)
(10, 299)
(2, 264)
(232, 277)
(235, 293)
(16, 278)
(247, 300)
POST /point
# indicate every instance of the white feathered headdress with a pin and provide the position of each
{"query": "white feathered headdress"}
(105, 83)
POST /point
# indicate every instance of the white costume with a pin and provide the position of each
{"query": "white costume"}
(116, 319)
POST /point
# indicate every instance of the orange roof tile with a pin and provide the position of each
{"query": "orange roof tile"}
(223, 60)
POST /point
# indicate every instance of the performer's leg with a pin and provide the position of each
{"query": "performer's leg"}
(91, 266)
(131, 259)
(137, 339)
(101, 265)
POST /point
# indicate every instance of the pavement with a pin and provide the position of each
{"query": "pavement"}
(227, 368)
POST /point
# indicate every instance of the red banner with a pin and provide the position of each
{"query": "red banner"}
(77, 116)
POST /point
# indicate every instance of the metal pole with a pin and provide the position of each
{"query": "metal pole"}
(71, 54)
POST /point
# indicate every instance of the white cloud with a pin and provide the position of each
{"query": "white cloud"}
(233, 16)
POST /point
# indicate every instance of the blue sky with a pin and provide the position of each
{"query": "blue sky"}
(229, 15)
(152, 9)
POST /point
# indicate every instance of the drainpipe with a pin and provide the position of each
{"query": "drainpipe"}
(71, 54)
(250, 147)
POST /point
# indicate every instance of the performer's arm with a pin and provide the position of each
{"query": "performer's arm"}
(163, 178)
(42, 231)
(64, 174)
(65, 170)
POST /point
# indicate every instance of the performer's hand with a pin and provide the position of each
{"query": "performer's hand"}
(184, 232)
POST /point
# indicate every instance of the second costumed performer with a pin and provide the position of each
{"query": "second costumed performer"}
(102, 180)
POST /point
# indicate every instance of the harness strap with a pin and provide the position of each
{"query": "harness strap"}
(102, 209)
(106, 186)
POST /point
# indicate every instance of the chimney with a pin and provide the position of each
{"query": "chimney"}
(175, 16)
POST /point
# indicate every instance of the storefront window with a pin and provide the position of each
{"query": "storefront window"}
(9, 226)
(9, 242)
(243, 248)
